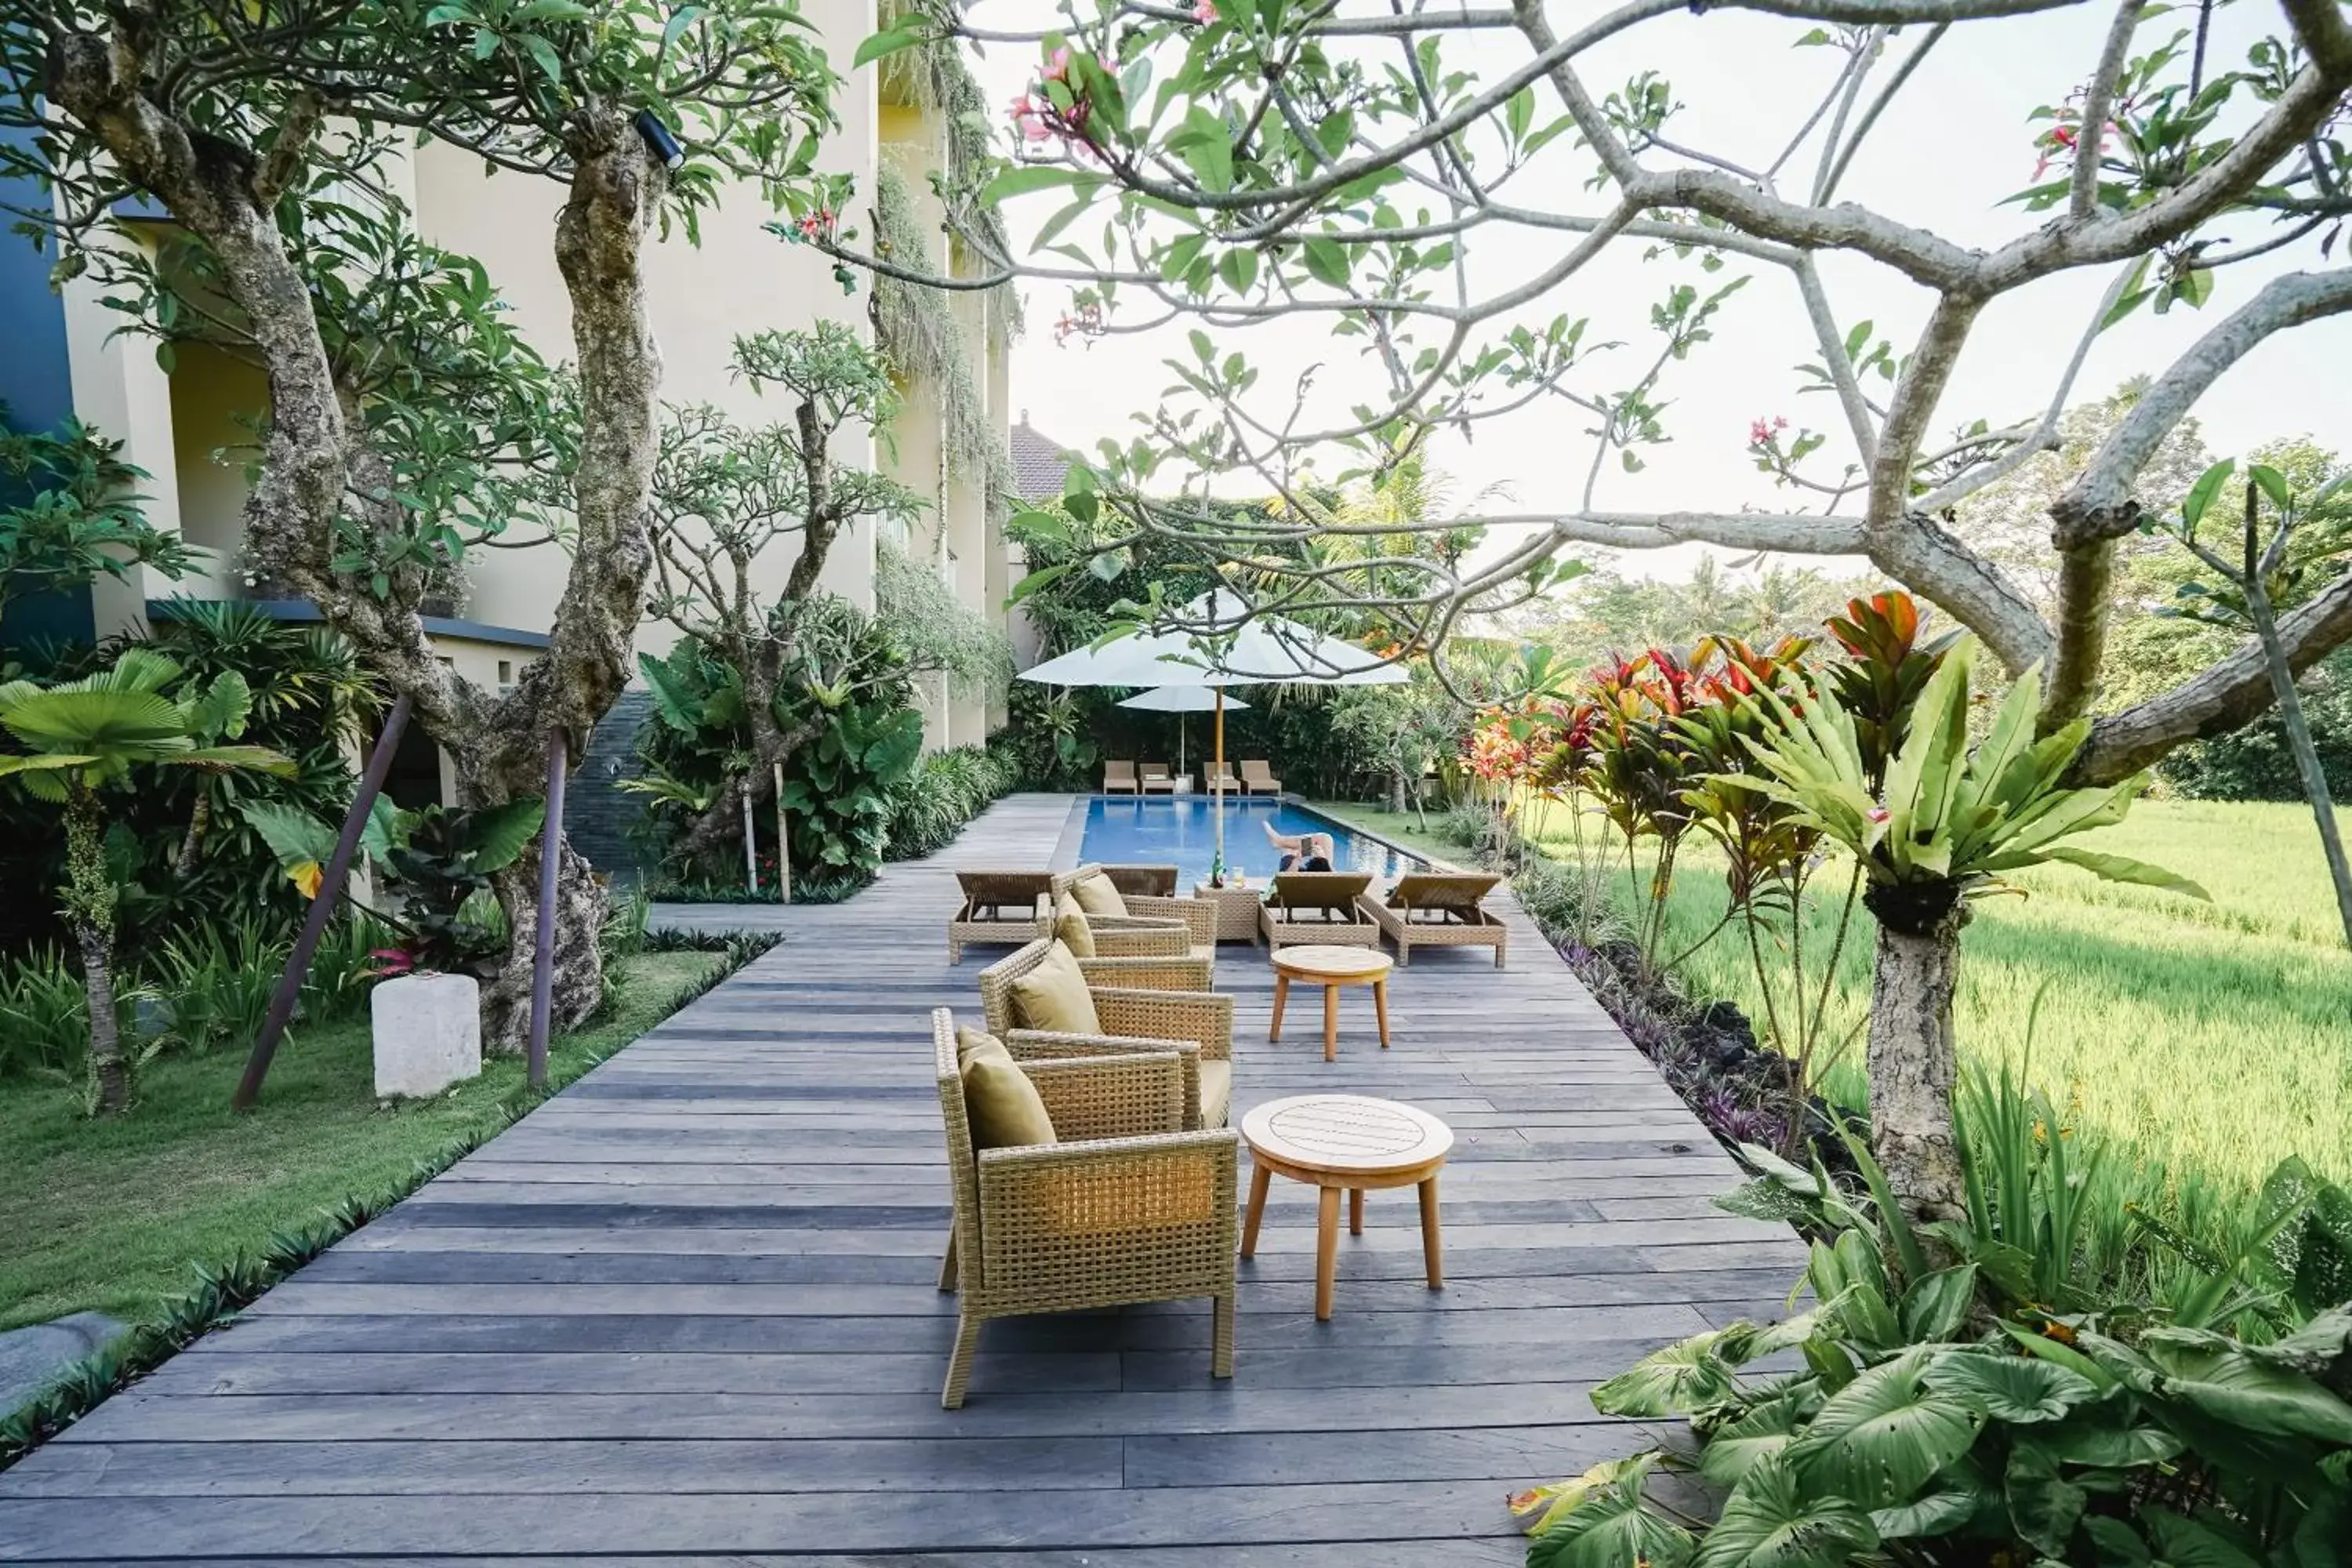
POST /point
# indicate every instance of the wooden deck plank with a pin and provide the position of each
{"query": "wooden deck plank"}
(687, 1309)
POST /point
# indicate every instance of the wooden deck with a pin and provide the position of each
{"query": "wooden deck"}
(686, 1309)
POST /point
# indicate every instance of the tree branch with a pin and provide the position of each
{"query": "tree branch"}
(2224, 697)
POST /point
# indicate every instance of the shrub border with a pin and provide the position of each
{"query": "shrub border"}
(224, 1291)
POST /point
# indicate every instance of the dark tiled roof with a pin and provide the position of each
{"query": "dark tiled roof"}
(1038, 461)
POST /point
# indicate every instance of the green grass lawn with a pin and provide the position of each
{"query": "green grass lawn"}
(111, 1216)
(2217, 1034)
(1399, 827)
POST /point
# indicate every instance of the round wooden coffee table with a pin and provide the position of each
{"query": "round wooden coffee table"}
(1345, 1142)
(1331, 968)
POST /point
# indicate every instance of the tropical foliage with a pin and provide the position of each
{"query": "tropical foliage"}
(178, 845)
(79, 518)
(2002, 1408)
(81, 740)
(847, 699)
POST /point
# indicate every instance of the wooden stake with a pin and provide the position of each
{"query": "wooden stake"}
(784, 845)
(751, 845)
(322, 905)
(551, 866)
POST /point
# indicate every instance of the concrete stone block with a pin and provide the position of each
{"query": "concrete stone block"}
(428, 1033)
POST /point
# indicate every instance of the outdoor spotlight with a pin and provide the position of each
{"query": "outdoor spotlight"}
(658, 140)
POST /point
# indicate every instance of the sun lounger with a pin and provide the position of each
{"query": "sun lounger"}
(998, 907)
(1258, 779)
(1317, 908)
(1438, 910)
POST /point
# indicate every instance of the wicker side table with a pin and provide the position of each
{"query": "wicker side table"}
(1237, 905)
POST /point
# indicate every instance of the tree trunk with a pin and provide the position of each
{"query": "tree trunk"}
(89, 909)
(1396, 792)
(578, 988)
(1912, 1059)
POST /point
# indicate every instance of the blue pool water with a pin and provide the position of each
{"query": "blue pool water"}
(1180, 832)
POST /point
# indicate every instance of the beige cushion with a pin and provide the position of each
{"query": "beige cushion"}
(1071, 929)
(1216, 1092)
(1097, 896)
(1053, 995)
(1000, 1102)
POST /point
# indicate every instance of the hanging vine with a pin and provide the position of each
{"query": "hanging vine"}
(934, 630)
(915, 326)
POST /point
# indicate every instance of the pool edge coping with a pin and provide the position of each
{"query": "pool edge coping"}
(1068, 848)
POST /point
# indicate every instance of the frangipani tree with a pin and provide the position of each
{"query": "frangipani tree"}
(1434, 190)
(726, 500)
(85, 737)
(264, 131)
(1949, 821)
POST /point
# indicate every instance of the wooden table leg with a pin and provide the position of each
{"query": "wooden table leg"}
(1327, 1250)
(1281, 996)
(1431, 1256)
(1330, 1023)
(1380, 1006)
(1261, 1177)
(1355, 1211)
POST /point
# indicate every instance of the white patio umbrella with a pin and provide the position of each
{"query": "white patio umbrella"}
(1267, 651)
(1180, 700)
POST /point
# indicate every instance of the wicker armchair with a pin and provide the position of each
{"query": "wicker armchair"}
(1199, 917)
(998, 907)
(1438, 910)
(1318, 908)
(1142, 1004)
(1124, 1207)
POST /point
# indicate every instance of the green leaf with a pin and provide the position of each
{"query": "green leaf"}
(1936, 1304)
(1608, 1527)
(496, 836)
(2010, 1388)
(1881, 1438)
(682, 18)
(293, 835)
(2273, 484)
(1028, 177)
(1520, 112)
(881, 43)
(2043, 1506)
(2124, 869)
(1735, 1447)
(1769, 1523)
(1178, 258)
(2200, 494)
(2192, 1543)
(1674, 1381)
(550, 63)
(1054, 225)
(1327, 261)
(1238, 267)
(1938, 1513)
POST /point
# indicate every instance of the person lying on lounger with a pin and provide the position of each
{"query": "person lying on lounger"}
(1302, 851)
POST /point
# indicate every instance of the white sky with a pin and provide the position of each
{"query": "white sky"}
(1953, 145)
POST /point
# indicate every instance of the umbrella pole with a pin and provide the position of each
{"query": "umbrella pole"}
(1218, 778)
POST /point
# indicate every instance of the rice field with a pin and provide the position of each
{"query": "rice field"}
(2208, 1035)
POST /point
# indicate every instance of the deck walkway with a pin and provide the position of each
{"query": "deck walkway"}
(686, 1309)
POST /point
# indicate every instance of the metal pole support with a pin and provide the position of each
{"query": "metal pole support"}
(551, 868)
(322, 907)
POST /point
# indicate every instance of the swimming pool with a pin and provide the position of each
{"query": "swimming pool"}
(1180, 832)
